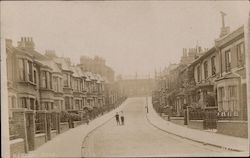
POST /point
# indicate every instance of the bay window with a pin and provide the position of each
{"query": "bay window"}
(228, 60)
(29, 70)
(213, 65)
(21, 72)
(240, 54)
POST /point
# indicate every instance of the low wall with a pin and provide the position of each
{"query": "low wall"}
(64, 126)
(16, 147)
(53, 133)
(77, 123)
(177, 120)
(196, 124)
(40, 139)
(233, 128)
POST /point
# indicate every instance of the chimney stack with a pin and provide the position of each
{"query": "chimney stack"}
(224, 29)
(26, 43)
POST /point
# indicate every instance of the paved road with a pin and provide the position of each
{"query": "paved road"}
(139, 138)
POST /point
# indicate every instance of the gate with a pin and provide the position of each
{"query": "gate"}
(210, 118)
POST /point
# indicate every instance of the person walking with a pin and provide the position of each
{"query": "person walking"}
(122, 117)
(117, 119)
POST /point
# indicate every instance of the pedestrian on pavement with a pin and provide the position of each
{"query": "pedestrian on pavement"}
(122, 117)
(117, 119)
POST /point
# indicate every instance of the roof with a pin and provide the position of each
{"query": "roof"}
(206, 54)
(51, 64)
(79, 71)
(65, 66)
(90, 75)
(75, 71)
(43, 60)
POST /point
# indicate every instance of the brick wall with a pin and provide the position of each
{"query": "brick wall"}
(178, 120)
(17, 147)
(53, 133)
(233, 128)
(40, 139)
(77, 123)
(64, 126)
(196, 124)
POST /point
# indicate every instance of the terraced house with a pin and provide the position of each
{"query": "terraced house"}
(209, 92)
(47, 95)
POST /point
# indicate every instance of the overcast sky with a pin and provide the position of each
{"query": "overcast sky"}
(132, 36)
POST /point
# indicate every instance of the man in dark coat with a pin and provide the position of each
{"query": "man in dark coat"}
(117, 118)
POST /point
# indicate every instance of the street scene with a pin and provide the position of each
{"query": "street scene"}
(139, 138)
(125, 79)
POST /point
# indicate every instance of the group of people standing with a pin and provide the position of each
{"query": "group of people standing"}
(119, 117)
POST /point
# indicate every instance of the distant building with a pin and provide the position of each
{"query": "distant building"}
(97, 65)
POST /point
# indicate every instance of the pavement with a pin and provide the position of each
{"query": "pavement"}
(69, 143)
(204, 137)
(138, 137)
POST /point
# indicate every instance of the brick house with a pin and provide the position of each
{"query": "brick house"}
(40, 89)
(231, 83)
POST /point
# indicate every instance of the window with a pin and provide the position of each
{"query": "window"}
(29, 70)
(233, 106)
(35, 77)
(205, 70)
(23, 102)
(70, 81)
(221, 93)
(57, 84)
(44, 79)
(57, 104)
(77, 104)
(67, 103)
(49, 80)
(54, 83)
(21, 69)
(240, 54)
(199, 73)
(228, 60)
(32, 104)
(12, 102)
(60, 85)
(65, 80)
(213, 65)
(81, 86)
(78, 85)
(46, 105)
(232, 91)
(51, 106)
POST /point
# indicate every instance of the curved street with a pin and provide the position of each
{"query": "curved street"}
(139, 138)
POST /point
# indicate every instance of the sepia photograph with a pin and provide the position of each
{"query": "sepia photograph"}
(147, 78)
